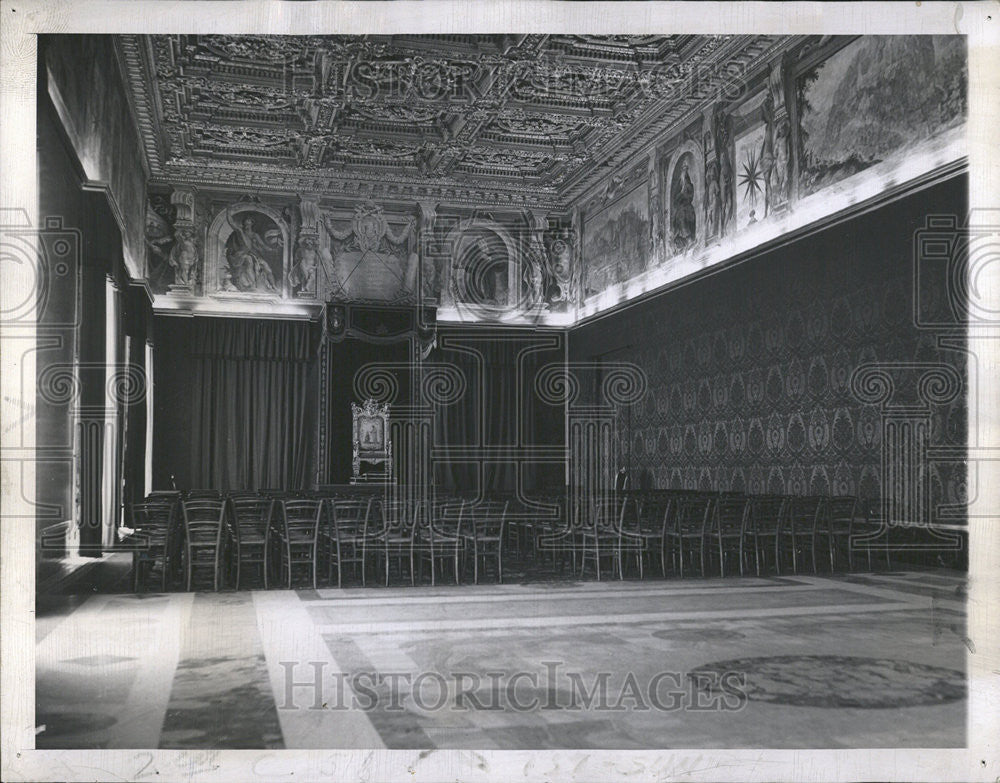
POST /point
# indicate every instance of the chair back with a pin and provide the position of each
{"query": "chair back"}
(693, 514)
(397, 518)
(803, 514)
(602, 516)
(203, 520)
(250, 515)
(301, 518)
(203, 494)
(153, 520)
(488, 519)
(841, 512)
(767, 513)
(349, 516)
(164, 494)
(445, 518)
(651, 512)
(732, 514)
(553, 515)
(630, 514)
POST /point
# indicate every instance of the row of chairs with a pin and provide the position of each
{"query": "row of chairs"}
(178, 535)
(689, 530)
(693, 532)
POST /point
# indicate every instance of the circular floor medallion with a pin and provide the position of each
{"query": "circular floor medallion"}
(835, 681)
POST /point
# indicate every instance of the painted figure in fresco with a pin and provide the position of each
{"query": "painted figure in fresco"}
(248, 267)
(429, 278)
(726, 180)
(712, 198)
(767, 162)
(184, 258)
(683, 225)
(157, 236)
(536, 283)
(303, 274)
(782, 144)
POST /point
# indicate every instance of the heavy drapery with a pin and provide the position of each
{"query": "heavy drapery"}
(477, 436)
(252, 404)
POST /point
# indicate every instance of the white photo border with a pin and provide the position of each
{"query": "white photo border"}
(19, 24)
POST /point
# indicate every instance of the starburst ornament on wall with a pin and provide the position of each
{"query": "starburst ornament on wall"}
(751, 178)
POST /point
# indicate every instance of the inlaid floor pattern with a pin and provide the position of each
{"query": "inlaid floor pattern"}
(873, 660)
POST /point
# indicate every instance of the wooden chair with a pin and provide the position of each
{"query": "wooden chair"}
(204, 525)
(553, 532)
(635, 533)
(345, 535)
(437, 535)
(688, 524)
(598, 532)
(153, 542)
(730, 531)
(873, 528)
(394, 537)
(846, 528)
(249, 517)
(767, 513)
(482, 528)
(798, 525)
(654, 515)
(297, 529)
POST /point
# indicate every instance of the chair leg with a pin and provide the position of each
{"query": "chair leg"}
(500, 563)
(315, 562)
(722, 559)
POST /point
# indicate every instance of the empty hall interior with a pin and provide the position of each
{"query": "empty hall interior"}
(532, 391)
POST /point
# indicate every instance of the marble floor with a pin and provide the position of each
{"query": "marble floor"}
(866, 660)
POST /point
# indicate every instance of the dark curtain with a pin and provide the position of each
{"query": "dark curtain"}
(253, 404)
(498, 408)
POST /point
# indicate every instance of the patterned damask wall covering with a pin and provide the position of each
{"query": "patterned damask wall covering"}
(750, 369)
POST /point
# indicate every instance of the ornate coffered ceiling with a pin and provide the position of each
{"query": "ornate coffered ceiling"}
(521, 120)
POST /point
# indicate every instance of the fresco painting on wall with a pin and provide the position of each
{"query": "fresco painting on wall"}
(617, 241)
(875, 97)
(683, 199)
(370, 261)
(750, 185)
(253, 255)
(159, 242)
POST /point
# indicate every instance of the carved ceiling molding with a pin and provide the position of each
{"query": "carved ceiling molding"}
(521, 120)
